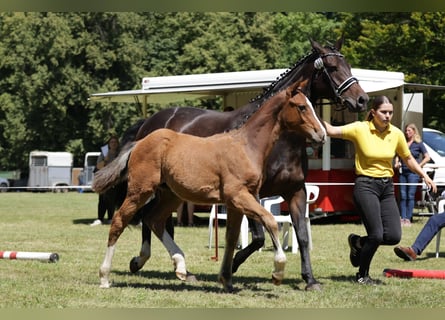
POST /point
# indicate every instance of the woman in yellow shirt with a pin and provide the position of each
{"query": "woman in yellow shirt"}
(376, 142)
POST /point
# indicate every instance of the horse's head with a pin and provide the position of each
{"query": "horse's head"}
(332, 78)
(299, 115)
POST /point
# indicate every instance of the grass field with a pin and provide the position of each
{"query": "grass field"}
(59, 223)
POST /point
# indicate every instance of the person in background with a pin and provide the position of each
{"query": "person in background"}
(407, 178)
(434, 224)
(106, 200)
(190, 207)
(376, 143)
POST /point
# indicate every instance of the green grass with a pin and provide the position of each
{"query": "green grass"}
(60, 223)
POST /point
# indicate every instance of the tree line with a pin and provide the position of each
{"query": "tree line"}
(51, 62)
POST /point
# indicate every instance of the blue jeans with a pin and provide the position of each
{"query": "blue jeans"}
(375, 200)
(407, 194)
(429, 230)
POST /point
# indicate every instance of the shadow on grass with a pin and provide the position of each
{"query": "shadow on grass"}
(205, 282)
(198, 222)
(430, 255)
(350, 279)
(83, 221)
(89, 221)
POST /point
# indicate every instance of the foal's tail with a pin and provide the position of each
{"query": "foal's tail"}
(113, 173)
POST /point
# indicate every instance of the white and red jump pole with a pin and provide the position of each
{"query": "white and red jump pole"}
(22, 255)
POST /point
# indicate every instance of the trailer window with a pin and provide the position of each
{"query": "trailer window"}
(39, 161)
(91, 161)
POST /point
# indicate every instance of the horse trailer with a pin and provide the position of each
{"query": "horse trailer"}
(50, 170)
(90, 161)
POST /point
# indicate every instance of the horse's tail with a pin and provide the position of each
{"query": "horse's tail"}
(115, 172)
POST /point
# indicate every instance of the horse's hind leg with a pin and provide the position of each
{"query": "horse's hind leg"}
(138, 262)
(257, 243)
(164, 201)
(157, 225)
(119, 222)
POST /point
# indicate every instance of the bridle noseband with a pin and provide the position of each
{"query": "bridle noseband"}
(319, 65)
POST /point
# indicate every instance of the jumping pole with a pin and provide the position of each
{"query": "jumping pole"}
(22, 255)
(414, 273)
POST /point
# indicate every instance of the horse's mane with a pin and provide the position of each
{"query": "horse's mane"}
(281, 81)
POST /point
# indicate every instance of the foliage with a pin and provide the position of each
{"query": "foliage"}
(296, 28)
(226, 41)
(403, 42)
(51, 62)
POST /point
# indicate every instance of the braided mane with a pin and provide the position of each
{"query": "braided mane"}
(276, 85)
(280, 83)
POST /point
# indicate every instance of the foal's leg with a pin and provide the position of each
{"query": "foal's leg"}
(119, 222)
(297, 208)
(156, 222)
(249, 205)
(233, 225)
(257, 243)
(164, 201)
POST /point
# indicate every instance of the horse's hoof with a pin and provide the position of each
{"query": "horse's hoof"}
(191, 277)
(134, 266)
(181, 276)
(227, 285)
(277, 278)
(229, 289)
(104, 284)
(313, 287)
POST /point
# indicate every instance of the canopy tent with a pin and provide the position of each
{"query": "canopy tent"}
(237, 88)
(175, 89)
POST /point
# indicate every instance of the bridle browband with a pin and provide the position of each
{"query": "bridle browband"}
(319, 65)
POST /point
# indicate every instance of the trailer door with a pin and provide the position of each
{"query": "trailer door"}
(38, 171)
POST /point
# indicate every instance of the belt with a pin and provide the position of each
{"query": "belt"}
(383, 179)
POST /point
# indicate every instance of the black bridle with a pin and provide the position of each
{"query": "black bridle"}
(340, 89)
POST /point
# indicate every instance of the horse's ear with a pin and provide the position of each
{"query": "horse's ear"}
(315, 45)
(289, 92)
(303, 84)
(340, 42)
(298, 86)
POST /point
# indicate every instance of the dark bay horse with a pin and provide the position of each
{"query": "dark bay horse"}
(224, 168)
(329, 76)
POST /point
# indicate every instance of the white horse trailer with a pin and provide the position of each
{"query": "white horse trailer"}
(50, 170)
(88, 168)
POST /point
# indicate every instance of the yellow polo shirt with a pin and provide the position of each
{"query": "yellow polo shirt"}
(374, 151)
